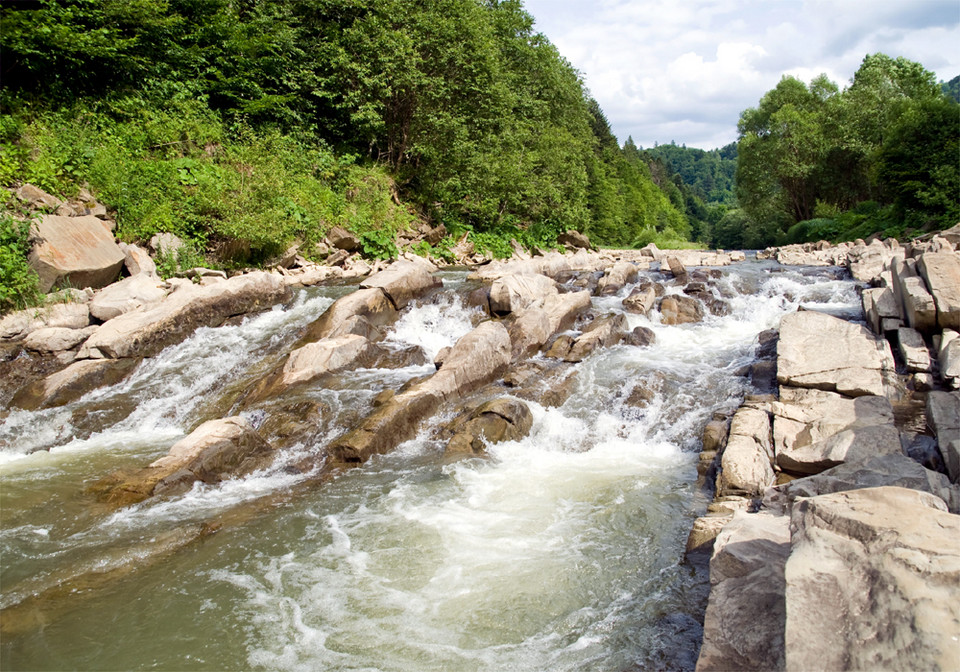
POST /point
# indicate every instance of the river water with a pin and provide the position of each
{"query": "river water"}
(562, 551)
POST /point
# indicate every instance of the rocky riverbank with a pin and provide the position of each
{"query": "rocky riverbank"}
(834, 517)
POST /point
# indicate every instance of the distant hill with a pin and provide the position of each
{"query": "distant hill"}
(952, 89)
(709, 174)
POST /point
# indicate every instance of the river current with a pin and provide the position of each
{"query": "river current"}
(561, 551)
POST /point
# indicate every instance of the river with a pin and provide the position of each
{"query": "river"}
(561, 551)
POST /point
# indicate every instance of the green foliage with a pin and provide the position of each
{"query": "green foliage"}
(182, 259)
(378, 244)
(19, 284)
(808, 155)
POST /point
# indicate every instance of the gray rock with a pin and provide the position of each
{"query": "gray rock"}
(18, 325)
(538, 323)
(574, 240)
(56, 339)
(640, 301)
(743, 627)
(804, 416)
(913, 350)
(880, 309)
(144, 333)
(943, 417)
(948, 355)
(78, 251)
(137, 260)
(823, 352)
(746, 465)
(679, 309)
(849, 445)
(165, 243)
(941, 272)
(616, 277)
(601, 333)
(371, 304)
(889, 469)
(36, 197)
(403, 281)
(873, 582)
(128, 294)
(515, 292)
(341, 239)
(317, 359)
(918, 304)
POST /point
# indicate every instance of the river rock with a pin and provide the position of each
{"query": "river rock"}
(75, 250)
(37, 198)
(136, 260)
(873, 582)
(821, 351)
(948, 355)
(616, 277)
(317, 359)
(705, 531)
(917, 305)
(676, 267)
(913, 350)
(474, 360)
(539, 322)
(144, 333)
(640, 301)
(128, 294)
(403, 281)
(746, 465)
(867, 262)
(679, 309)
(71, 383)
(880, 309)
(56, 339)
(943, 417)
(849, 445)
(941, 272)
(493, 422)
(805, 416)
(513, 293)
(889, 469)
(343, 317)
(19, 324)
(744, 623)
(341, 239)
(601, 333)
(574, 240)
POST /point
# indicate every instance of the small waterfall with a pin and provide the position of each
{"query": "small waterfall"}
(560, 551)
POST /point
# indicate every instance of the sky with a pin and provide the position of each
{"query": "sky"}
(683, 70)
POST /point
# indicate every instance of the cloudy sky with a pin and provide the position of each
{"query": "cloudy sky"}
(682, 70)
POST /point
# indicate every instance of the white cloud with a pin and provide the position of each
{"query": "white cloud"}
(664, 70)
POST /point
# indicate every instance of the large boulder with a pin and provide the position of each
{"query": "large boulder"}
(948, 355)
(640, 300)
(355, 313)
(913, 350)
(680, 309)
(71, 383)
(744, 622)
(79, 251)
(515, 292)
(943, 417)
(213, 452)
(941, 272)
(493, 422)
(824, 352)
(128, 294)
(314, 360)
(601, 333)
(805, 416)
(574, 240)
(403, 281)
(880, 309)
(867, 262)
(341, 239)
(746, 465)
(873, 582)
(849, 445)
(539, 322)
(137, 260)
(616, 277)
(144, 333)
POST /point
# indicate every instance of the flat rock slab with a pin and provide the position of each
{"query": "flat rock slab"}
(75, 250)
(823, 352)
(894, 469)
(744, 622)
(846, 446)
(873, 582)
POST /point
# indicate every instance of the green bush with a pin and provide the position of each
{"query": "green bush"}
(19, 284)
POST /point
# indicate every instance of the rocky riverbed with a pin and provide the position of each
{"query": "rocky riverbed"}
(529, 436)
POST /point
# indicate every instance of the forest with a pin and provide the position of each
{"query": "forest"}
(244, 125)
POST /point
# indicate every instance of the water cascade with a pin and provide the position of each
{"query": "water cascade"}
(559, 551)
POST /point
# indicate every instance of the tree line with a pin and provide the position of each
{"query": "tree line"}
(372, 114)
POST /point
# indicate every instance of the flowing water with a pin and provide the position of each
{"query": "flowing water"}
(561, 551)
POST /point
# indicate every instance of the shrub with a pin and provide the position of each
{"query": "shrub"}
(19, 284)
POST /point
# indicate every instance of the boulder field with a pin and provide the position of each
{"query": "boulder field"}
(833, 534)
(834, 537)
